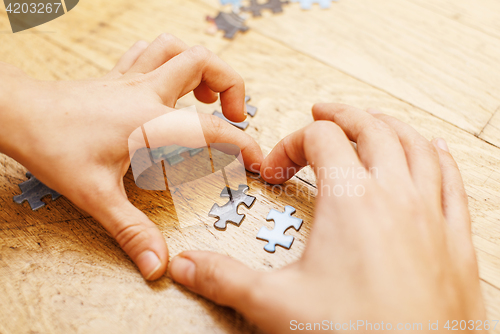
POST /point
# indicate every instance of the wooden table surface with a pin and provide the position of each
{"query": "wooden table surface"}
(431, 63)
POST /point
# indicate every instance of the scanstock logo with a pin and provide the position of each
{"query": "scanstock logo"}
(25, 14)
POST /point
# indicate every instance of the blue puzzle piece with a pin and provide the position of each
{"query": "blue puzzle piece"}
(235, 3)
(307, 4)
(282, 222)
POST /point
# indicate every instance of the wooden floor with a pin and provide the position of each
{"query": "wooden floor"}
(431, 63)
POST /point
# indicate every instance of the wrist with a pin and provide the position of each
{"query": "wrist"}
(16, 94)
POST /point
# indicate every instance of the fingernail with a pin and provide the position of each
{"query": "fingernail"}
(183, 270)
(245, 111)
(373, 111)
(148, 263)
(441, 143)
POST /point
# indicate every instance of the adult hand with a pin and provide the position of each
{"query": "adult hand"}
(395, 249)
(73, 136)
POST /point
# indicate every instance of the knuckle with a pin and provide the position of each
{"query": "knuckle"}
(216, 128)
(256, 294)
(212, 281)
(376, 126)
(319, 130)
(166, 39)
(199, 53)
(141, 44)
(423, 147)
(130, 236)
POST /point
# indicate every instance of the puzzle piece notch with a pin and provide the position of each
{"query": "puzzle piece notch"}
(282, 222)
(307, 4)
(276, 6)
(33, 191)
(235, 3)
(230, 23)
(240, 125)
(229, 211)
(251, 110)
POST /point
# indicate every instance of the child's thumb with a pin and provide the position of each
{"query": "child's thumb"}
(138, 236)
(217, 277)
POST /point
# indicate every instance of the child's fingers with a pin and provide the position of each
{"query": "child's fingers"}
(377, 143)
(130, 57)
(216, 130)
(189, 69)
(455, 202)
(136, 234)
(322, 144)
(191, 129)
(219, 278)
(161, 50)
(204, 94)
(422, 157)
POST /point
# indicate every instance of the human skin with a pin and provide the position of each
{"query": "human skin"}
(399, 253)
(73, 135)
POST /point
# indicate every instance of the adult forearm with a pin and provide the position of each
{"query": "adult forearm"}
(16, 92)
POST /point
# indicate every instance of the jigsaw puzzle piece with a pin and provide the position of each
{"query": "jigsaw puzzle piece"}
(274, 239)
(282, 222)
(230, 23)
(251, 110)
(229, 211)
(240, 125)
(307, 4)
(276, 6)
(236, 3)
(33, 191)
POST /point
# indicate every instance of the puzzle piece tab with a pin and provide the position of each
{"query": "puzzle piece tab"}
(230, 23)
(240, 125)
(251, 110)
(33, 191)
(276, 6)
(282, 222)
(229, 211)
(235, 3)
(307, 4)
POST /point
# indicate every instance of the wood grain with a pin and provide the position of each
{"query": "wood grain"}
(61, 272)
(483, 15)
(423, 58)
(491, 132)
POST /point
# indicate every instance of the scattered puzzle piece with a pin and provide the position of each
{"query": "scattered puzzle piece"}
(173, 157)
(229, 211)
(235, 3)
(282, 222)
(33, 191)
(276, 6)
(230, 23)
(240, 125)
(251, 110)
(307, 4)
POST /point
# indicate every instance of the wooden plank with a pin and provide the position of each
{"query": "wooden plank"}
(423, 58)
(41, 59)
(483, 15)
(491, 297)
(287, 100)
(80, 280)
(95, 28)
(491, 132)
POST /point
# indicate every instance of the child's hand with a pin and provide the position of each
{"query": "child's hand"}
(73, 136)
(391, 242)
